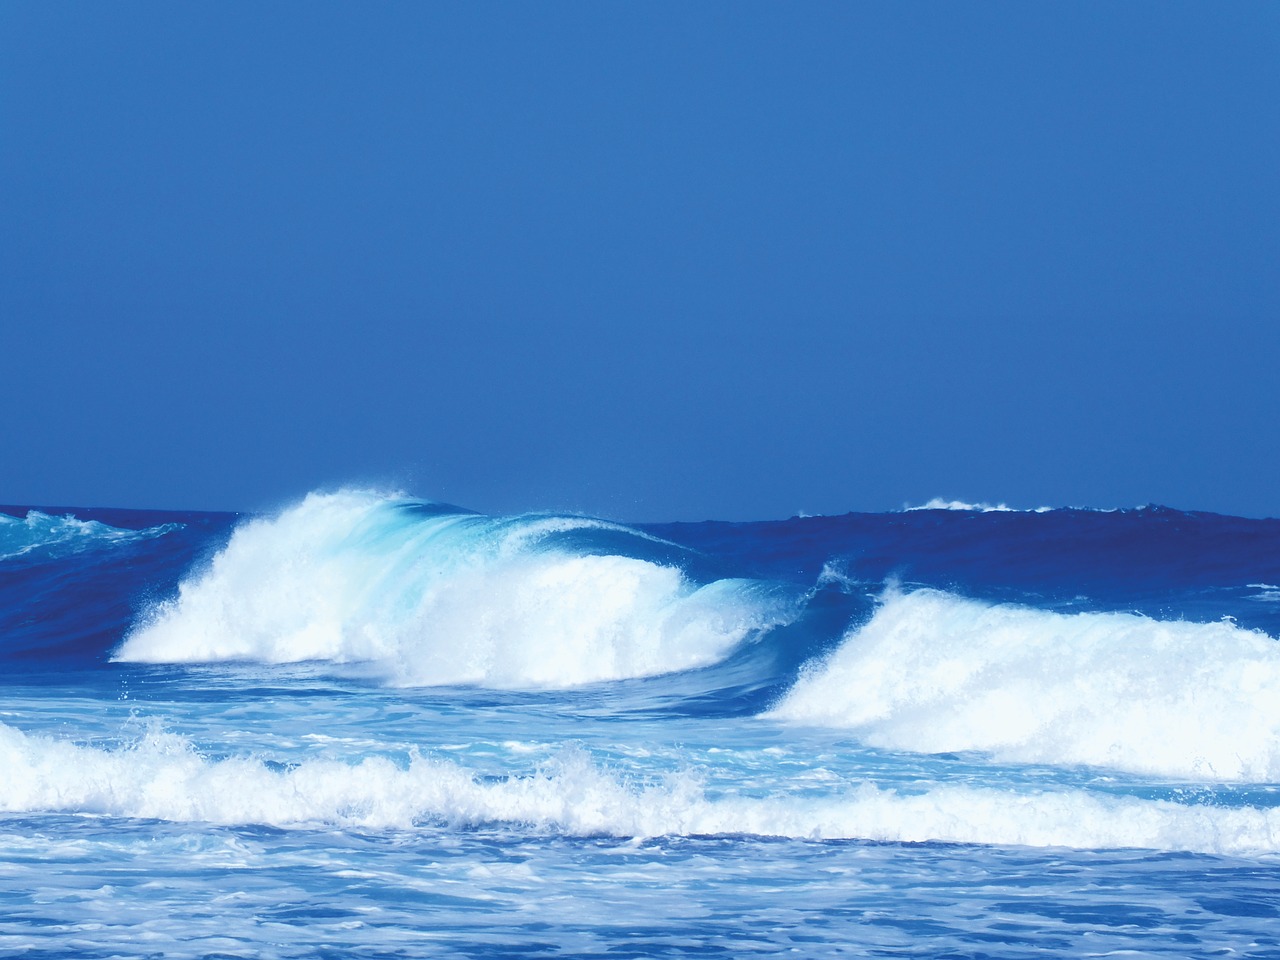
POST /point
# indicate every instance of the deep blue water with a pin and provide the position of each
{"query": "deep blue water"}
(375, 726)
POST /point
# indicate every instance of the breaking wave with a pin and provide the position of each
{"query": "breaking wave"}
(432, 595)
(933, 672)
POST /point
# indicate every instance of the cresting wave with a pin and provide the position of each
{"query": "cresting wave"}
(433, 595)
(163, 777)
(932, 672)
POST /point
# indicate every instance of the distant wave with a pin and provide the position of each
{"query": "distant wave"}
(932, 672)
(432, 595)
(162, 776)
(963, 506)
(44, 535)
(938, 503)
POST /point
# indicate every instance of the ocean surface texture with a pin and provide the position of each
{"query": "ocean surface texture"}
(375, 726)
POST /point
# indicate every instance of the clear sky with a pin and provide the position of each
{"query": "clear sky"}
(645, 260)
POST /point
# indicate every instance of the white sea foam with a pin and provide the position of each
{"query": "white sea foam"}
(445, 599)
(933, 672)
(163, 777)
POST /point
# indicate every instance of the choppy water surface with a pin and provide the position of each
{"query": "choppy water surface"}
(371, 726)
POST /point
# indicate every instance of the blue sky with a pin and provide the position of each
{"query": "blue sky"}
(649, 261)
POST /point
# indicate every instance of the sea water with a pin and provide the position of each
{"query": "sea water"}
(370, 725)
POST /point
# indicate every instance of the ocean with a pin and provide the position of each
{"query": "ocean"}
(370, 726)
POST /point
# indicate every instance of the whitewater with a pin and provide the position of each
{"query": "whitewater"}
(373, 725)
